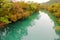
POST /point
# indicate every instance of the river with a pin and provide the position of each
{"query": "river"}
(38, 26)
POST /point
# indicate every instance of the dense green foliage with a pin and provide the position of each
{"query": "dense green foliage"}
(12, 11)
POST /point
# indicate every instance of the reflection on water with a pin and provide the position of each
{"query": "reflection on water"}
(55, 24)
(36, 27)
(15, 31)
(58, 33)
(42, 30)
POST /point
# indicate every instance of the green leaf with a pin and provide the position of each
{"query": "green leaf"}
(4, 19)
